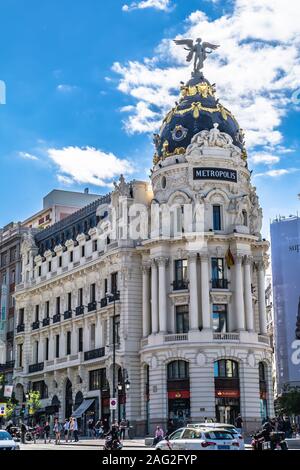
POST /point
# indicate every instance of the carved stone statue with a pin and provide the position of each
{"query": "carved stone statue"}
(211, 138)
(197, 50)
(256, 216)
(123, 188)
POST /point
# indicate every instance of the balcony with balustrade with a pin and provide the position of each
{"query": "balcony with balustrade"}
(34, 368)
(94, 354)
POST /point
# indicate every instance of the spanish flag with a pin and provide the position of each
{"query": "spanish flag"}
(229, 258)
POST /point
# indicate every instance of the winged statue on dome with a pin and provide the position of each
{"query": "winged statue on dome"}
(198, 49)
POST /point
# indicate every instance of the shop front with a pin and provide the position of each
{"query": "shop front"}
(178, 385)
(227, 391)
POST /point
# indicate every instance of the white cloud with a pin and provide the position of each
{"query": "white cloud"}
(162, 5)
(257, 69)
(65, 88)
(278, 172)
(27, 156)
(266, 158)
(88, 165)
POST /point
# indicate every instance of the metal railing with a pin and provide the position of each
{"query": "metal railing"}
(180, 285)
(79, 310)
(103, 302)
(226, 336)
(56, 318)
(36, 367)
(219, 283)
(20, 328)
(35, 325)
(92, 306)
(67, 314)
(176, 337)
(94, 354)
(46, 321)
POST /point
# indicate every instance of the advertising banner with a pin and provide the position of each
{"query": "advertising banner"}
(285, 246)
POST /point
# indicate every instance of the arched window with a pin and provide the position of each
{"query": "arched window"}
(262, 372)
(226, 368)
(178, 370)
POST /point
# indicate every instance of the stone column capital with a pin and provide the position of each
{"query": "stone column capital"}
(239, 257)
(204, 256)
(192, 256)
(248, 260)
(146, 267)
(162, 261)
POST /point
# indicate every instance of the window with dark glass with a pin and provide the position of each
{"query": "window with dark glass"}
(80, 340)
(57, 305)
(92, 292)
(218, 273)
(69, 306)
(47, 309)
(68, 343)
(226, 368)
(217, 218)
(37, 313)
(114, 283)
(49, 266)
(80, 297)
(21, 316)
(95, 245)
(39, 271)
(97, 379)
(220, 318)
(57, 346)
(71, 256)
(182, 319)
(20, 355)
(47, 349)
(105, 285)
(60, 261)
(181, 274)
(82, 251)
(178, 370)
(36, 352)
(117, 329)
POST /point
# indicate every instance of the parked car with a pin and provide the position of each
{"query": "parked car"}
(199, 439)
(229, 427)
(7, 442)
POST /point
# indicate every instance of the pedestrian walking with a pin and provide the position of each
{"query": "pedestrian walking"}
(56, 429)
(75, 430)
(239, 423)
(123, 427)
(90, 428)
(23, 433)
(46, 433)
(71, 431)
(66, 429)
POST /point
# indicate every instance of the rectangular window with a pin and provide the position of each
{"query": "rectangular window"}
(95, 245)
(47, 309)
(57, 346)
(182, 319)
(39, 271)
(105, 286)
(117, 329)
(181, 274)
(71, 256)
(114, 283)
(68, 343)
(92, 292)
(82, 251)
(218, 273)
(20, 355)
(80, 297)
(57, 305)
(37, 313)
(80, 340)
(69, 306)
(36, 352)
(49, 266)
(97, 379)
(220, 318)
(47, 349)
(60, 261)
(93, 335)
(217, 218)
(21, 316)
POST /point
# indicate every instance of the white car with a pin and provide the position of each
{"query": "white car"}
(199, 439)
(7, 442)
(229, 427)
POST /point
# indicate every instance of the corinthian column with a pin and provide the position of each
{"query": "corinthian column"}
(154, 297)
(261, 299)
(193, 285)
(238, 294)
(248, 294)
(146, 300)
(205, 301)
(162, 294)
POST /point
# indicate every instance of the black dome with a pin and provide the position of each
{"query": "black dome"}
(197, 110)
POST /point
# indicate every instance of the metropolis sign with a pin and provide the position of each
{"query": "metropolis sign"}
(222, 174)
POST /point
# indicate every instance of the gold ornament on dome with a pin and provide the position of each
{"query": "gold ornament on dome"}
(155, 159)
(244, 154)
(203, 89)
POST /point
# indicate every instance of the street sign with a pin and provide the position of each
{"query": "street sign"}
(113, 403)
(8, 389)
(2, 409)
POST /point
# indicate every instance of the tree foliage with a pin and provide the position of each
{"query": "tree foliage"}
(289, 401)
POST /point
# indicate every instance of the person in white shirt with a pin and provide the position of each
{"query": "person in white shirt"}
(66, 430)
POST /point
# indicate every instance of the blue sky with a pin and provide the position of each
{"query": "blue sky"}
(88, 81)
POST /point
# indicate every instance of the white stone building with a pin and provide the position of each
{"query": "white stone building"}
(190, 316)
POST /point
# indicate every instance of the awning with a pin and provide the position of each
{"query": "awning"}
(82, 408)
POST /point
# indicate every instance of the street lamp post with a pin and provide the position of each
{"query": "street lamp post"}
(114, 297)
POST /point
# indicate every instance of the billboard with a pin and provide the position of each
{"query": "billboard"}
(285, 247)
